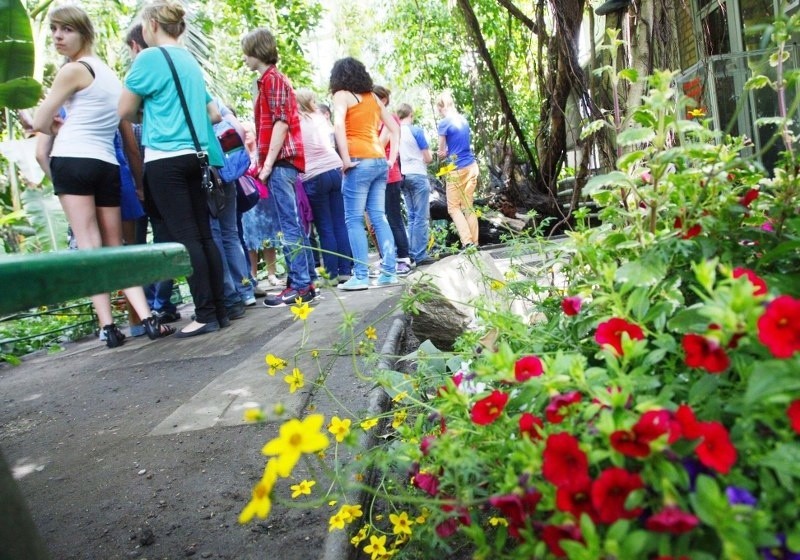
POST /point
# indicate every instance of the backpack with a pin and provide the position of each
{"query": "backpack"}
(237, 160)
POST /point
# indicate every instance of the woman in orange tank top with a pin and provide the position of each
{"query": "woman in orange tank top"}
(357, 114)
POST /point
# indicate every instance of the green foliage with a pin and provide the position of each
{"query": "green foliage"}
(17, 89)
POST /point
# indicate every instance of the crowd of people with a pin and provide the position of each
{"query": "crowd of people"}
(128, 156)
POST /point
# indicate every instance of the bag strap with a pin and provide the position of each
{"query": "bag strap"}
(200, 153)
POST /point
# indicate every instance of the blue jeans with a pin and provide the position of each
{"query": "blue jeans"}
(364, 188)
(292, 238)
(417, 192)
(236, 268)
(325, 195)
(159, 294)
(394, 215)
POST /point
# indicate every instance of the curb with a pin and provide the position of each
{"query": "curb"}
(337, 544)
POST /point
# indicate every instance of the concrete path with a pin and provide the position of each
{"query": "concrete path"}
(142, 451)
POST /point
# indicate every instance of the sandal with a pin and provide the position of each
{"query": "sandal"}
(114, 336)
(155, 329)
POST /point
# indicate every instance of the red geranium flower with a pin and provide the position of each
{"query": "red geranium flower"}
(563, 460)
(693, 231)
(610, 333)
(449, 526)
(748, 198)
(527, 367)
(427, 483)
(626, 442)
(559, 405)
(552, 535)
(793, 412)
(576, 498)
(673, 520)
(716, 450)
(571, 305)
(610, 491)
(759, 285)
(426, 444)
(705, 353)
(531, 425)
(690, 427)
(488, 409)
(517, 509)
(779, 326)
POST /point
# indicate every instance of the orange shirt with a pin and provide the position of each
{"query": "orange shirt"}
(361, 126)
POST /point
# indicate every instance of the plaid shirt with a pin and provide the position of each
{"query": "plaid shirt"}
(276, 102)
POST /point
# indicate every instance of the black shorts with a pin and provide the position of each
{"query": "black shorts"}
(87, 177)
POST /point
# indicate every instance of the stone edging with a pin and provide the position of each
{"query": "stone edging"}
(337, 543)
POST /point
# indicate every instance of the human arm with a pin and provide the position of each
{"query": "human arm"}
(129, 104)
(213, 112)
(133, 155)
(422, 144)
(394, 133)
(71, 78)
(442, 152)
(279, 131)
(44, 145)
(339, 131)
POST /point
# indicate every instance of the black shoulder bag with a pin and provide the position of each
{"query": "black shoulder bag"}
(211, 183)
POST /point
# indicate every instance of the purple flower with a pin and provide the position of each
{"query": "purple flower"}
(779, 552)
(740, 496)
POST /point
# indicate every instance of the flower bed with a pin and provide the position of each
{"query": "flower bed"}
(653, 412)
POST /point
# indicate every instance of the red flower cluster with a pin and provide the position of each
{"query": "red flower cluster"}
(636, 441)
(571, 305)
(673, 520)
(759, 285)
(793, 412)
(562, 459)
(610, 333)
(779, 326)
(715, 450)
(527, 367)
(748, 198)
(449, 526)
(531, 425)
(705, 353)
(693, 231)
(488, 409)
(611, 490)
(559, 406)
(517, 509)
(552, 535)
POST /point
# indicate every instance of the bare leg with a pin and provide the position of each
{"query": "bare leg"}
(270, 258)
(82, 216)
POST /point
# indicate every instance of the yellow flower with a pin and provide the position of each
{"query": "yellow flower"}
(295, 438)
(497, 285)
(315, 354)
(401, 523)
(699, 112)
(350, 513)
(368, 423)
(495, 521)
(304, 487)
(360, 536)
(400, 396)
(275, 364)
(332, 503)
(444, 170)
(254, 415)
(295, 380)
(260, 504)
(358, 477)
(301, 310)
(336, 521)
(339, 428)
(371, 333)
(399, 418)
(278, 409)
(423, 516)
(376, 546)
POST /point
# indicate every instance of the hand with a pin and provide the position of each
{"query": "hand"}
(58, 122)
(442, 154)
(266, 171)
(348, 166)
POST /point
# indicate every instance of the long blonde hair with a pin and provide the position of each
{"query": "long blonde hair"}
(306, 101)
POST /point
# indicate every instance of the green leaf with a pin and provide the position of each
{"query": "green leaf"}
(640, 273)
(46, 216)
(631, 158)
(757, 82)
(785, 461)
(687, 320)
(709, 503)
(20, 93)
(592, 128)
(775, 377)
(635, 544)
(629, 74)
(704, 387)
(16, 41)
(633, 136)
